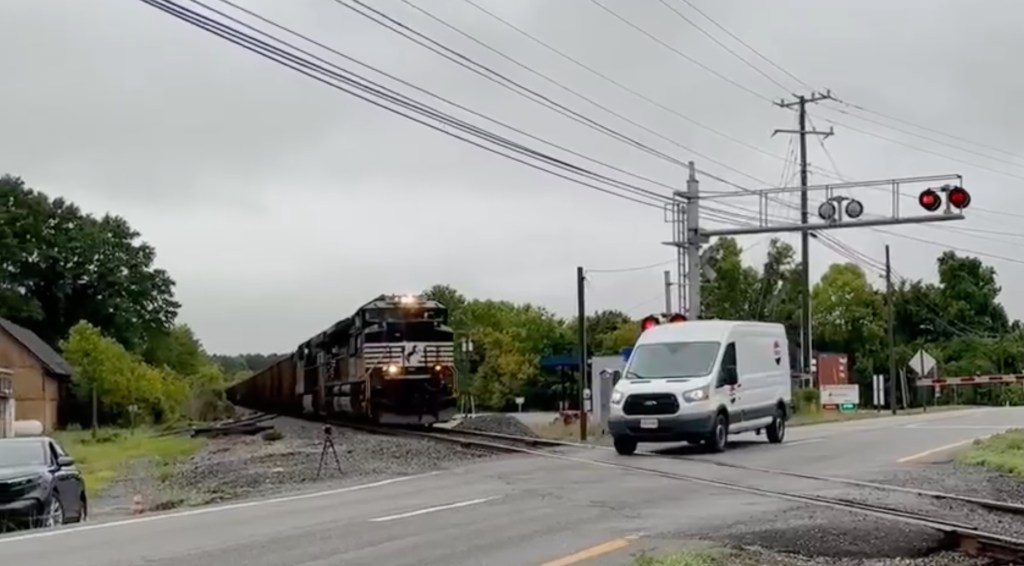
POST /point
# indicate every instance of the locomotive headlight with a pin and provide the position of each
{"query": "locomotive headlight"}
(393, 369)
(437, 368)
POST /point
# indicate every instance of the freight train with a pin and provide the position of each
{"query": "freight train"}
(391, 362)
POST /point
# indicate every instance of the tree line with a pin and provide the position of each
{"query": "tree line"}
(958, 319)
(88, 285)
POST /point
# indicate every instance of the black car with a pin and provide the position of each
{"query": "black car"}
(39, 484)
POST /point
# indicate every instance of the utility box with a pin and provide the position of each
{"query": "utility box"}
(6, 403)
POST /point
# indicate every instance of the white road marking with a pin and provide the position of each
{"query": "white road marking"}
(434, 509)
(940, 449)
(801, 442)
(214, 509)
(959, 427)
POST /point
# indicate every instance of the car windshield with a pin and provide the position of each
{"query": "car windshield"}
(21, 453)
(672, 360)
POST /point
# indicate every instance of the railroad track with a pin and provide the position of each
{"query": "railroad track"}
(964, 537)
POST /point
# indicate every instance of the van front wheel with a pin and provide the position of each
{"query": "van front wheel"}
(625, 445)
(776, 431)
(718, 437)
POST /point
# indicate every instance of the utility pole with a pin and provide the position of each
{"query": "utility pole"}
(668, 293)
(892, 330)
(692, 242)
(582, 338)
(801, 103)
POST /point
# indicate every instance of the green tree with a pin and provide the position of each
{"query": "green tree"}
(122, 380)
(59, 266)
(848, 316)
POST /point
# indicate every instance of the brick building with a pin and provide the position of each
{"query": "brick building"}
(40, 375)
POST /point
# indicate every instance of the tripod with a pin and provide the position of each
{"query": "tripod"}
(328, 444)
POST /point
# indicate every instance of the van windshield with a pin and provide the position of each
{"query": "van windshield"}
(672, 360)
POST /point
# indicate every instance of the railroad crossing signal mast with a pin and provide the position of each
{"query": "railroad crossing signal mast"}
(836, 210)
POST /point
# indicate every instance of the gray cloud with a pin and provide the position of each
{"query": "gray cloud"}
(280, 204)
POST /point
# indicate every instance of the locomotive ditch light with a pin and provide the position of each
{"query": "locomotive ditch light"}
(854, 208)
(959, 198)
(650, 321)
(393, 369)
(677, 317)
(929, 200)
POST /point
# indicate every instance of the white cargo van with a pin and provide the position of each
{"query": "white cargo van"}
(701, 381)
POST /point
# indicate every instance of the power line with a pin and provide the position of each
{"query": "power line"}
(927, 129)
(561, 86)
(632, 269)
(409, 85)
(316, 72)
(724, 46)
(621, 85)
(673, 49)
(748, 46)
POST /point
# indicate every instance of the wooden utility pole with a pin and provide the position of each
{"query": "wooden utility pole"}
(582, 339)
(801, 103)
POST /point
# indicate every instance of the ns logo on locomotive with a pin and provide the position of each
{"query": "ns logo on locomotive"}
(391, 362)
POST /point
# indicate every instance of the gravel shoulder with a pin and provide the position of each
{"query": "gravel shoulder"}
(242, 467)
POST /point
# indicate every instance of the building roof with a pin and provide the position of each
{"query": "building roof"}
(51, 360)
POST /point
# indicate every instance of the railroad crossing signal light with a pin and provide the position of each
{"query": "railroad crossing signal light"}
(677, 317)
(929, 200)
(648, 322)
(959, 198)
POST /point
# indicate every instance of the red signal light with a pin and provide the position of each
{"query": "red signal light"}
(677, 318)
(649, 322)
(959, 198)
(929, 200)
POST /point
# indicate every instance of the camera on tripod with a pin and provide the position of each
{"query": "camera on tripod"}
(327, 430)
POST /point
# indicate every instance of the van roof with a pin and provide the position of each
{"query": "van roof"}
(715, 330)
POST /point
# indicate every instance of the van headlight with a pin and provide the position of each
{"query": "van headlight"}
(694, 395)
(617, 397)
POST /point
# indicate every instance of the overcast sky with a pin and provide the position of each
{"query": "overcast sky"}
(280, 204)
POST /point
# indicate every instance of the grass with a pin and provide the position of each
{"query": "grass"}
(558, 430)
(822, 417)
(1002, 453)
(103, 459)
(684, 558)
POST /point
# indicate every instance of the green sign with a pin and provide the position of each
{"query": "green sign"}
(847, 407)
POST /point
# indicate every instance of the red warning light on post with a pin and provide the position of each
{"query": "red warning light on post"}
(929, 200)
(959, 198)
(649, 322)
(677, 317)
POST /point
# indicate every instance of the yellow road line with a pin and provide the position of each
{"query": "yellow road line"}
(920, 455)
(592, 552)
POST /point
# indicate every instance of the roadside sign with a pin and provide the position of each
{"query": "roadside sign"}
(520, 401)
(836, 395)
(878, 390)
(626, 352)
(922, 363)
(847, 407)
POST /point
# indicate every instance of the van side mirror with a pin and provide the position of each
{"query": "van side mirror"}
(730, 375)
(65, 462)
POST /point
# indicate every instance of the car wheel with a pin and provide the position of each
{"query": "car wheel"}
(53, 513)
(624, 445)
(719, 435)
(777, 430)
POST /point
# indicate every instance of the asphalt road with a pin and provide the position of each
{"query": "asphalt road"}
(515, 511)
